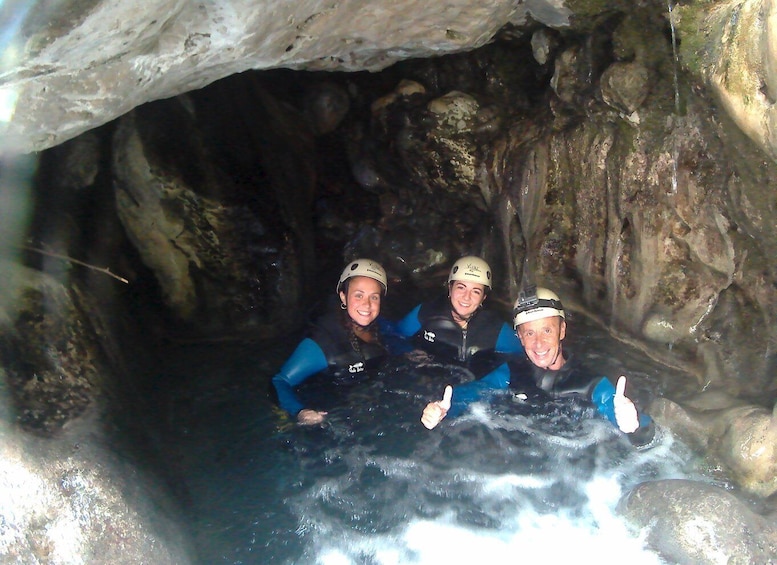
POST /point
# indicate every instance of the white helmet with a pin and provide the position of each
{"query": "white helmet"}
(364, 268)
(471, 268)
(534, 304)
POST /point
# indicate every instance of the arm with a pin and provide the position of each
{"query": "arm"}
(471, 392)
(507, 341)
(621, 411)
(396, 342)
(307, 360)
(455, 402)
(409, 325)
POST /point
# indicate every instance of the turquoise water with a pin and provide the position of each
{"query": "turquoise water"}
(505, 482)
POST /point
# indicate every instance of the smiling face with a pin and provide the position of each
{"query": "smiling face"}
(542, 341)
(362, 300)
(466, 297)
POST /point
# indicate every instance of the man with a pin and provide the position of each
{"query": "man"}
(540, 324)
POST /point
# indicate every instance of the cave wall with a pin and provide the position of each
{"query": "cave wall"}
(590, 162)
(607, 154)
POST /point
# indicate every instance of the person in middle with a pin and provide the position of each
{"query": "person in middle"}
(456, 328)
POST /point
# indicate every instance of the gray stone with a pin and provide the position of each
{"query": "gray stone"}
(692, 522)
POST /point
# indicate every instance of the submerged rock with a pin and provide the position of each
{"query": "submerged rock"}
(692, 522)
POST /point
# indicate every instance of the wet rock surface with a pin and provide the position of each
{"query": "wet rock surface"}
(593, 162)
(692, 522)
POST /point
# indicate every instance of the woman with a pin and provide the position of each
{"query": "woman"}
(347, 341)
(456, 327)
(547, 372)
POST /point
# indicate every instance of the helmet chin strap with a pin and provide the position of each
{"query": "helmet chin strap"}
(458, 317)
(455, 313)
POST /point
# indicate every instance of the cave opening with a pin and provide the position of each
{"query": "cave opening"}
(231, 210)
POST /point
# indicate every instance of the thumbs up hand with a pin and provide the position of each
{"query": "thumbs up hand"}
(436, 411)
(625, 412)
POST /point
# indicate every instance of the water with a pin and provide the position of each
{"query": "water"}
(504, 482)
(675, 58)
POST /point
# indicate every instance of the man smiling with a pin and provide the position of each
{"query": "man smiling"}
(540, 324)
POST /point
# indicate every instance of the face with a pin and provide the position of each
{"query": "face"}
(542, 341)
(363, 300)
(466, 297)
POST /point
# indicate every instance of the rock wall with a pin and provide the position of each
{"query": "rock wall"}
(597, 162)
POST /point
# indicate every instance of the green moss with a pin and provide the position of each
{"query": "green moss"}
(699, 27)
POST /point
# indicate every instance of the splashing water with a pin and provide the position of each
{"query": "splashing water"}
(504, 482)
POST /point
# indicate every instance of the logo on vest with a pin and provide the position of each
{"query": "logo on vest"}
(429, 336)
(356, 367)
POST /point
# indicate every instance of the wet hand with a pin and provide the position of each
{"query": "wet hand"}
(625, 412)
(308, 417)
(436, 411)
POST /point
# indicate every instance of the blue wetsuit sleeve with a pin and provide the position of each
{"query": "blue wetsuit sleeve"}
(466, 394)
(307, 360)
(602, 397)
(508, 342)
(410, 324)
(396, 343)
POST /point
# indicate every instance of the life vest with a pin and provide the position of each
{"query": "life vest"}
(345, 362)
(573, 379)
(440, 336)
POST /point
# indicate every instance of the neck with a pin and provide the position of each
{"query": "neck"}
(364, 333)
(558, 362)
(462, 321)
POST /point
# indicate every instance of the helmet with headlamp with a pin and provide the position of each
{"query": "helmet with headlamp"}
(536, 303)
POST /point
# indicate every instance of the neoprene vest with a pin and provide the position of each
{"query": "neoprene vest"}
(344, 361)
(444, 338)
(572, 379)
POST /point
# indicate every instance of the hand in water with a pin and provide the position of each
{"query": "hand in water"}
(436, 411)
(625, 411)
(308, 417)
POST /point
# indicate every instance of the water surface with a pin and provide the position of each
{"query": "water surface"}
(505, 482)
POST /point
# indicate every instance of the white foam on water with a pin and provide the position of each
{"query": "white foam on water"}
(489, 488)
(591, 529)
(527, 537)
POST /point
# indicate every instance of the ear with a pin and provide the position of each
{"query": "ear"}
(342, 298)
(562, 330)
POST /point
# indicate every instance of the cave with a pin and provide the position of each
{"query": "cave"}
(168, 238)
